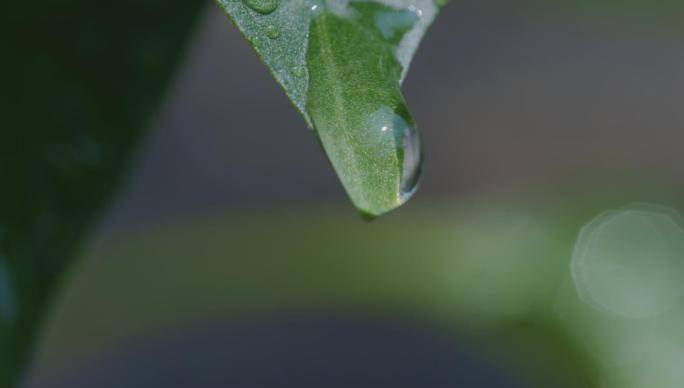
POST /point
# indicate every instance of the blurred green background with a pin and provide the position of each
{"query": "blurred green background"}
(544, 247)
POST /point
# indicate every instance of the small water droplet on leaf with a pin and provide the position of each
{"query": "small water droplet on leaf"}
(272, 31)
(262, 6)
(315, 7)
(416, 10)
(298, 71)
(406, 140)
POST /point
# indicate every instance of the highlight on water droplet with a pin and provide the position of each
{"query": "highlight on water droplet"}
(412, 162)
(315, 7)
(262, 6)
(272, 31)
(416, 10)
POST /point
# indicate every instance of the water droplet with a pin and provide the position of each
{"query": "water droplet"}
(393, 24)
(406, 141)
(257, 42)
(298, 71)
(416, 10)
(272, 31)
(315, 8)
(412, 163)
(262, 6)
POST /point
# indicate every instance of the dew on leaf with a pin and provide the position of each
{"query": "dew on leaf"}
(262, 6)
(315, 7)
(272, 31)
(258, 42)
(416, 10)
(298, 71)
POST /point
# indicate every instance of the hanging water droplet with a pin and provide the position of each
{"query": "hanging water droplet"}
(412, 163)
(416, 10)
(262, 6)
(272, 31)
(392, 127)
(298, 71)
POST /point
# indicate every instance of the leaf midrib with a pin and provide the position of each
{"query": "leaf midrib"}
(339, 109)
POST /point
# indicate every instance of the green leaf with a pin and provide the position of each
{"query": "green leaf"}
(341, 63)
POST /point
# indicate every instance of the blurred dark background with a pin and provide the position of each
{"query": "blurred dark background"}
(511, 97)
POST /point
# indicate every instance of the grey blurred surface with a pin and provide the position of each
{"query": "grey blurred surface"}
(302, 352)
